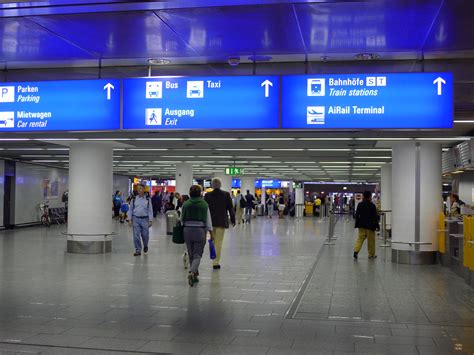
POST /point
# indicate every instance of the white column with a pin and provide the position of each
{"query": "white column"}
(416, 201)
(466, 187)
(248, 183)
(290, 187)
(262, 197)
(226, 181)
(386, 191)
(184, 178)
(299, 201)
(299, 196)
(90, 200)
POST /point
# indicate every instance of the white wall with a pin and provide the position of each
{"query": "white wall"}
(466, 186)
(121, 184)
(29, 190)
(2, 189)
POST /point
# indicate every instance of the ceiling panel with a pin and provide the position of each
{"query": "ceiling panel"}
(118, 35)
(242, 30)
(21, 39)
(452, 29)
(363, 26)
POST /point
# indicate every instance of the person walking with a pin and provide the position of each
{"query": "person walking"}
(240, 205)
(270, 205)
(116, 203)
(367, 220)
(141, 216)
(196, 219)
(155, 203)
(221, 207)
(124, 210)
(281, 206)
(250, 200)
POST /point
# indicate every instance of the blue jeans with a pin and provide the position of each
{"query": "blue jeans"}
(140, 232)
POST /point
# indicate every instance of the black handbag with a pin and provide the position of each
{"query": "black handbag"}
(178, 234)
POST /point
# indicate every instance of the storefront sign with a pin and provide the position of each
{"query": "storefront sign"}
(231, 102)
(84, 105)
(401, 100)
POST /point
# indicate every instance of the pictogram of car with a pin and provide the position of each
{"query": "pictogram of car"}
(195, 92)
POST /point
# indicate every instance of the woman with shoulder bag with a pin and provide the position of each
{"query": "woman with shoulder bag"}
(196, 220)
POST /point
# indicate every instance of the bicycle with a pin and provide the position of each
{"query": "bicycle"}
(44, 210)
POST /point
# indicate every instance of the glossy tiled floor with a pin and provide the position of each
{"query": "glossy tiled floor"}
(280, 291)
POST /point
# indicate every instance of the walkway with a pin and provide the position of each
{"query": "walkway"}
(280, 291)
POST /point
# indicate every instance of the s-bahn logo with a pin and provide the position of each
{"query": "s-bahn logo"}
(316, 87)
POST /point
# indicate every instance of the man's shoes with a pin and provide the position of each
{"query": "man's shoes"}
(373, 257)
(216, 267)
(145, 250)
(137, 253)
(355, 255)
(191, 279)
(195, 278)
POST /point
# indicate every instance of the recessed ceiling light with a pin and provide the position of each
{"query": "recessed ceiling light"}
(158, 61)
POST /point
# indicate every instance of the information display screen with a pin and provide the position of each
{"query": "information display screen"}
(401, 100)
(268, 184)
(60, 105)
(201, 103)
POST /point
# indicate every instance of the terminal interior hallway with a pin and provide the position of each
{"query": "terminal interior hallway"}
(260, 302)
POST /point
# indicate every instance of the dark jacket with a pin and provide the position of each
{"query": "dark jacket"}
(249, 198)
(221, 206)
(367, 216)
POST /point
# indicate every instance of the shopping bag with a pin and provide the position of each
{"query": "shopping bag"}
(212, 250)
(178, 234)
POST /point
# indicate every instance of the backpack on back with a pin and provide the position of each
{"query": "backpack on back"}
(242, 202)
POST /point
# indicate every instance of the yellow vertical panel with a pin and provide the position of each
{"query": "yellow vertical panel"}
(441, 234)
(469, 247)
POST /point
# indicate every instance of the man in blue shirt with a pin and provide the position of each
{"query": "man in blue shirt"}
(141, 216)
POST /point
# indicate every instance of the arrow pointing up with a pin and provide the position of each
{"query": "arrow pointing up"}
(440, 81)
(267, 83)
(109, 87)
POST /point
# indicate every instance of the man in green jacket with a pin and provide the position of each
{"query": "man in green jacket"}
(196, 219)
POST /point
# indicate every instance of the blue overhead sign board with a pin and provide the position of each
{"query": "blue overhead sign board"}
(60, 105)
(268, 184)
(401, 100)
(230, 102)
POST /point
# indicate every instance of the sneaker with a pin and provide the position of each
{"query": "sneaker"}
(355, 255)
(185, 260)
(216, 267)
(191, 279)
(195, 279)
(145, 250)
(373, 257)
(137, 253)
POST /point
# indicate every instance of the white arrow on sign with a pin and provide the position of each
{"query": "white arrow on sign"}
(440, 81)
(267, 83)
(109, 87)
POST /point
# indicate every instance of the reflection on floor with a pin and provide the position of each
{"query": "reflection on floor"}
(280, 291)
